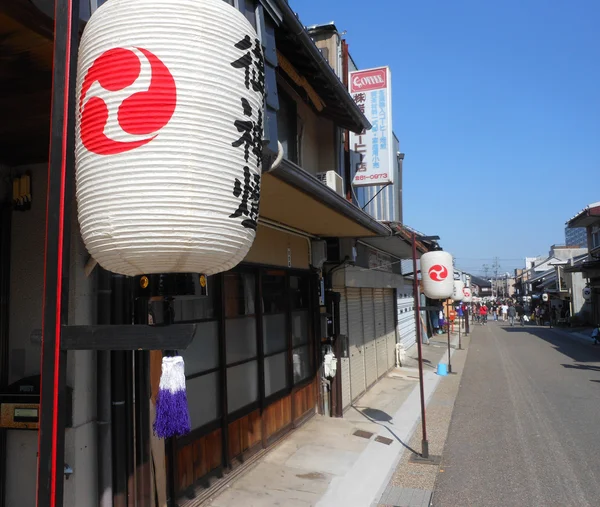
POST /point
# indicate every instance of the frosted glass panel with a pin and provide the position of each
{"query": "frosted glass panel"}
(241, 339)
(203, 399)
(203, 353)
(242, 385)
(301, 362)
(274, 333)
(275, 373)
(299, 327)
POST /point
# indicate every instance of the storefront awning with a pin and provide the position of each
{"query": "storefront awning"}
(295, 198)
(590, 269)
(590, 215)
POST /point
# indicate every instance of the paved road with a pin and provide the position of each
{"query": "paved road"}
(526, 424)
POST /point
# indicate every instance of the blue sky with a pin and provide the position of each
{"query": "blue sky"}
(497, 107)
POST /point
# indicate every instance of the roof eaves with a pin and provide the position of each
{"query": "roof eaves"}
(292, 22)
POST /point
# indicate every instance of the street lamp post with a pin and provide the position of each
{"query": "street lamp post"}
(424, 457)
(448, 309)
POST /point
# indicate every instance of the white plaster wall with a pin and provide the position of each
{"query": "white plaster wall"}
(577, 284)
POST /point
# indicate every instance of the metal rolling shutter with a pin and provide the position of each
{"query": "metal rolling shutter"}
(406, 318)
(369, 336)
(356, 343)
(390, 328)
(380, 336)
(344, 361)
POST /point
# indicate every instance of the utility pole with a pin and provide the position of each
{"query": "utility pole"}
(495, 269)
(486, 270)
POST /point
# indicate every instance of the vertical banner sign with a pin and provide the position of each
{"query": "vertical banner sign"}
(372, 91)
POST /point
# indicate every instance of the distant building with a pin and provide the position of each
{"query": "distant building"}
(576, 236)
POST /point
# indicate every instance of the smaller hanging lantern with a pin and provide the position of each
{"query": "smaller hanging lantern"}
(545, 297)
(437, 273)
(458, 294)
(587, 293)
(467, 295)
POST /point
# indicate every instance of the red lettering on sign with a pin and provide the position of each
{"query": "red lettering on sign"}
(373, 79)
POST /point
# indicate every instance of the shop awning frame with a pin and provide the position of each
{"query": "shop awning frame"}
(294, 175)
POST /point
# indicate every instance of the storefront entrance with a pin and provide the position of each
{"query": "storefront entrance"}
(251, 373)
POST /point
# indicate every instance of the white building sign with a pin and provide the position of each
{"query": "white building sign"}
(372, 91)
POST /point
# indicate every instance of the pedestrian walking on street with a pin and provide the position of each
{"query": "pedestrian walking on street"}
(512, 313)
(504, 311)
(520, 314)
(483, 314)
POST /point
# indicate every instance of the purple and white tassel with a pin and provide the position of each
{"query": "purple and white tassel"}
(172, 415)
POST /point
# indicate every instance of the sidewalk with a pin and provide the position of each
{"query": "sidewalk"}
(581, 334)
(348, 462)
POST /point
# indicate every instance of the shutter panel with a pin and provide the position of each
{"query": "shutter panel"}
(406, 317)
(380, 336)
(369, 336)
(390, 328)
(356, 343)
(344, 361)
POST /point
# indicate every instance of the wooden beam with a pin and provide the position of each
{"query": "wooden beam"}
(128, 337)
(301, 81)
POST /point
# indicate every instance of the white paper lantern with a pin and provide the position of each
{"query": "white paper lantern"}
(545, 297)
(587, 293)
(437, 273)
(457, 294)
(467, 295)
(169, 135)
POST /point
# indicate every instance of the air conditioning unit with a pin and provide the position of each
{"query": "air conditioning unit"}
(333, 180)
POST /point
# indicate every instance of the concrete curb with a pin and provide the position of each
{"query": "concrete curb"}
(369, 477)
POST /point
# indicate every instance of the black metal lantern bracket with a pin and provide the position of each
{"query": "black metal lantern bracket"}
(161, 336)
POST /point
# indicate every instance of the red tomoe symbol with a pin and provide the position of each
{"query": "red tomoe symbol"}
(140, 114)
(438, 272)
